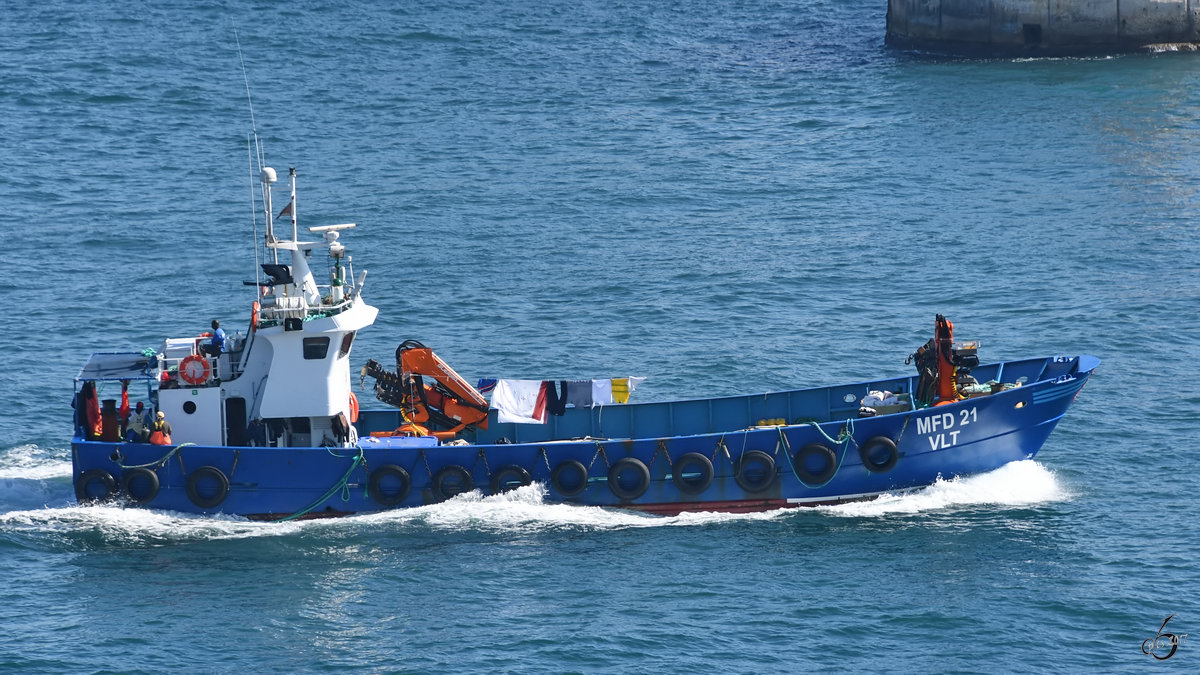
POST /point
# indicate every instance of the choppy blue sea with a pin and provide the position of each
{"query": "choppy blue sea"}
(724, 197)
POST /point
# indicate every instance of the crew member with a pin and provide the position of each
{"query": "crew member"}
(218, 344)
(160, 434)
(256, 433)
(139, 424)
(87, 411)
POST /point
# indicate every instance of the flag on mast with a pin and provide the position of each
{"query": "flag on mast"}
(287, 209)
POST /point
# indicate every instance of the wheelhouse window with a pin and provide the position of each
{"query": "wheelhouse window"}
(347, 340)
(316, 347)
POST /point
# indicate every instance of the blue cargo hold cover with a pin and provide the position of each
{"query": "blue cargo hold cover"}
(398, 442)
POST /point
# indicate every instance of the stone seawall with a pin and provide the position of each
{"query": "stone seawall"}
(1041, 27)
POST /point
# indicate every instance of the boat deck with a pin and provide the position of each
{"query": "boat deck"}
(715, 415)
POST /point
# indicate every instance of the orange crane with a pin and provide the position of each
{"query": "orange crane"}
(943, 365)
(433, 399)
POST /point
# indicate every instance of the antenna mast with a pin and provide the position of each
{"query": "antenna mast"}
(263, 173)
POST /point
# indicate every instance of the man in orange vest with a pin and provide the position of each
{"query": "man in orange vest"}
(161, 433)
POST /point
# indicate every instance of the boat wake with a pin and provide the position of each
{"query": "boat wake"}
(29, 462)
(31, 476)
(75, 528)
(522, 511)
(1015, 484)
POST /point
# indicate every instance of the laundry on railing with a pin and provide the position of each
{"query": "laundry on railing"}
(529, 401)
(601, 392)
(556, 398)
(579, 393)
(520, 401)
(622, 387)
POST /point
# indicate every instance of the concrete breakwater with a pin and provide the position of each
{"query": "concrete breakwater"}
(1042, 27)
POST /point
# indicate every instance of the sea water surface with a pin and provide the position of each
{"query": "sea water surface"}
(722, 197)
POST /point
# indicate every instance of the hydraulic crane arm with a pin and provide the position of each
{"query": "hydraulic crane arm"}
(428, 391)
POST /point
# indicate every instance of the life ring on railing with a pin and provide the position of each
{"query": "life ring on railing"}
(194, 369)
(752, 480)
(870, 451)
(254, 316)
(450, 481)
(83, 493)
(201, 489)
(509, 477)
(685, 469)
(618, 478)
(820, 476)
(140, 485)
(389, 484)
(353, 408)
(569, 478)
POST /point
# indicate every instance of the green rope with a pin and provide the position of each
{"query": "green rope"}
(842, 436)
(157, 463)
(343, 485)
(330, 450)
(844, 439)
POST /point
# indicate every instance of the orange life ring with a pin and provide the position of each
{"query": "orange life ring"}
(254, 319)
(194, 369)
(353, 408)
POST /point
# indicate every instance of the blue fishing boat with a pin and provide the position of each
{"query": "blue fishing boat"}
(264, 423)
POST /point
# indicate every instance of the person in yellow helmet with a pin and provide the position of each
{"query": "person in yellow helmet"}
(160, 433)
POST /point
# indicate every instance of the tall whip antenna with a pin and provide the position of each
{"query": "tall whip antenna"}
(256, 149)
(246, 79)
(249, 102)
(253, 216)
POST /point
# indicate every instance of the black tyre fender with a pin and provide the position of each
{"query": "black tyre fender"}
(140, 485)
(875, 447)
(509, 477)
(450, 481)
(744, 474)
(692, 462)
(199, 487)
(620, 488)
(807, 475)
(83, 483)
(382, 484)
(569, 487)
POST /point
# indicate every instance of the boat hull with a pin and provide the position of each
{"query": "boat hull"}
(745, 468)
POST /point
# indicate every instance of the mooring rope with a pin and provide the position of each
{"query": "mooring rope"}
(343, 485)
(845, 437)
(156, 463)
